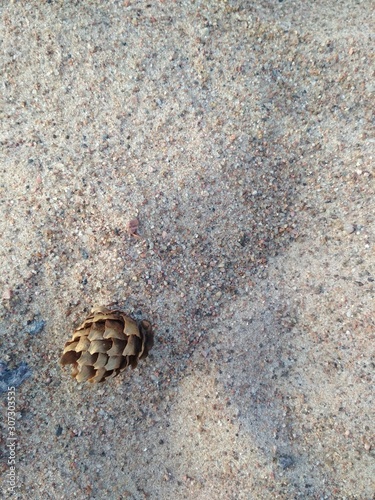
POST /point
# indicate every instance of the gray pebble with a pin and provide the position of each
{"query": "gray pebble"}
(13, 378)
(349, 228)
(84, 253)
(285, 461)
(36, 326)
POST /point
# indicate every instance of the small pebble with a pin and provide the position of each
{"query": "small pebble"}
(349, 228)
(35, 327)
(13, 378)
(7, 294)
(84, 253)
(132, 227)
(285, 461)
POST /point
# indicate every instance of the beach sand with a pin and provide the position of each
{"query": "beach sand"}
(240, 135)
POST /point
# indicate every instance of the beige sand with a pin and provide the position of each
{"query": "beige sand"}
(240, 135)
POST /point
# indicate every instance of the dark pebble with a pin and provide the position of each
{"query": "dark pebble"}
(84, 253)
(285, 461)
(36, 326)
(13, 378)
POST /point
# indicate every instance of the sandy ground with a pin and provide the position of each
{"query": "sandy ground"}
(240, 135)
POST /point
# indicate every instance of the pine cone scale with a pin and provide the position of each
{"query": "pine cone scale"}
(96, 331)
(101, 361)
(131, 329)
(98, 346)
(113, 330)
(118, 347)
(113, 363)
(132, 347)
(85, 373)
(69, 357)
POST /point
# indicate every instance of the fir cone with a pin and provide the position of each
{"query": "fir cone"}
(105, 344)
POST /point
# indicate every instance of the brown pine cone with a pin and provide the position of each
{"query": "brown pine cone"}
(105, 344)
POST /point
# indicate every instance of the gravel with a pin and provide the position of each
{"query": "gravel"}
(207, 166)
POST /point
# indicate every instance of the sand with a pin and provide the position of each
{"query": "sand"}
(240, 136)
